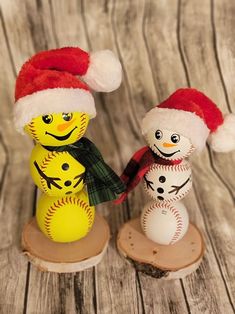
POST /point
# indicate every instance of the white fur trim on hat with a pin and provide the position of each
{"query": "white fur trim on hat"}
(53, 100)
(223, 139)
(104, 73)
(185, 123)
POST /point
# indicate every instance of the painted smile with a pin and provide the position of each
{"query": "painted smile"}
(164, 154)
(61, 138)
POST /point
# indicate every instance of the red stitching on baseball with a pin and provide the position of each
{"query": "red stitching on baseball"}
(173, 210)
(179, 224)
(180, 167)
(171, 200)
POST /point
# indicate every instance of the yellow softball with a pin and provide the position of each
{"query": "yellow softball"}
(56, 173)
(65, 219)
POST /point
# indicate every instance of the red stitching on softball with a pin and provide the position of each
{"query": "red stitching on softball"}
(59, 203)
(88, 211)
(32, 130)
(46, 161)
(49, 214)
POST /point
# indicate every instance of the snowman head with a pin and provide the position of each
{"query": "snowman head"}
(56, 84)
(187, 119)
(168, 144)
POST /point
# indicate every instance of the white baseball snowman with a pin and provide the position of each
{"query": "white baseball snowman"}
(173, 130)
(165, 219)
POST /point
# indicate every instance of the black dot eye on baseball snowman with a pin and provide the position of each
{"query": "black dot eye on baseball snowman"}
(175, 138)
(158, 134)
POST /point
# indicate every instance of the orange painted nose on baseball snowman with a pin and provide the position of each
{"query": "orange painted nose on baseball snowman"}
(54, 107)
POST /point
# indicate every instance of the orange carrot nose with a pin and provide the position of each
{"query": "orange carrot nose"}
(64, 126)
(168, 145)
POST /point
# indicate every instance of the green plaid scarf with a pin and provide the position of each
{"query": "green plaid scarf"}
(102, 182)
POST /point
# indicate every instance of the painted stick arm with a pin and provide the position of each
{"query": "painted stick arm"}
(176, 188)
(49, 180)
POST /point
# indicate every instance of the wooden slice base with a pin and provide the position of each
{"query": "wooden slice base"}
(65, 257)
(161, 261)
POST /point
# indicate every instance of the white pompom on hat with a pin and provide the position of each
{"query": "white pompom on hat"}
(193, 115)
(223, 139)
(104, 71)
(49, 82)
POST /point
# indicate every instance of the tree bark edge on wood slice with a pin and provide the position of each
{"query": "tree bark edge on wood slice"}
(76, 256)
(161, 261)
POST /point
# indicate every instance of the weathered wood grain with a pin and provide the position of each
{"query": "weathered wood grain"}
(111, 107)
(67, 23)
(162, 46)
(223, 18)
(16, 193)
(172, 13)
(219, 201)
(125, 11)
(50, 293)
(204, 70)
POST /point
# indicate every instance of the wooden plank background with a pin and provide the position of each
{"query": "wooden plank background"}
(163, 45)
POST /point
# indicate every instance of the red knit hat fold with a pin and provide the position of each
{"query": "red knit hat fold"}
(49, 82)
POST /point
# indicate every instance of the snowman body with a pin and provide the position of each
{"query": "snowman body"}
(168, 183)
(56, 173)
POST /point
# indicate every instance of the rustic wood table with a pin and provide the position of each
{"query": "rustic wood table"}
(163, 45)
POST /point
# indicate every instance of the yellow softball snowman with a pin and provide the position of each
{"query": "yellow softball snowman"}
(44, 164)
(54, 106)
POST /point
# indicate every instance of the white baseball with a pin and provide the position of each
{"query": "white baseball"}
(164, 223)
(168, 183)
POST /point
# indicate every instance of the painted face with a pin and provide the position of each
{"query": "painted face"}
(169, 145)
(58, 129)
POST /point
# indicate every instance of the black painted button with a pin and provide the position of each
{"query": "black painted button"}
(162, 179)
(67, 183)
(69, 192)
(160, 190)
(65, 166)
(160, 198)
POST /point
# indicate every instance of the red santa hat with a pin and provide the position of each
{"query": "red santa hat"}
(195, 116)
(48, 82)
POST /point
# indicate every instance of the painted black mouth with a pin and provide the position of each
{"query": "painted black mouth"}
(61, 138)
(164, 154)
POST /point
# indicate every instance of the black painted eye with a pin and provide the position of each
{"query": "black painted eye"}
(175, 138)
(47, 118)
(158, 134)
(67, 116)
